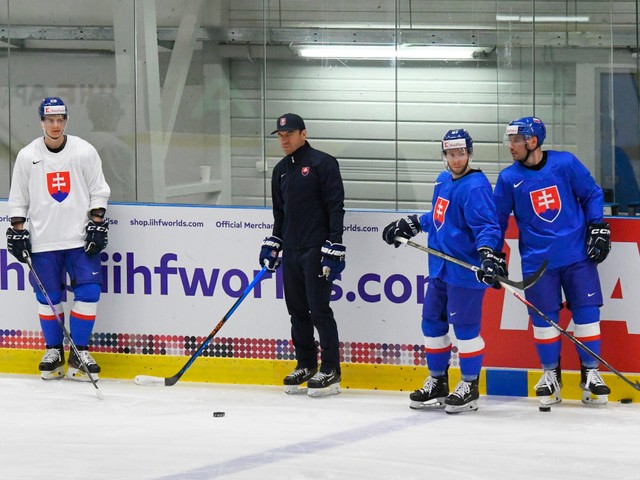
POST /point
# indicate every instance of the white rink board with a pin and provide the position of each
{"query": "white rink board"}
(221, 249)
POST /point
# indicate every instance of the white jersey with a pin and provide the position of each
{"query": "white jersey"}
(56, 191)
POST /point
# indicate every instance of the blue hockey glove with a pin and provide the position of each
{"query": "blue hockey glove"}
(332, 261)
(18, 241)
(270, 252)
(598, 241)
(492, 263)
(407, 227)
(97, 237)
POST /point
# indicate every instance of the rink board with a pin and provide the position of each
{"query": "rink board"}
(172, 272)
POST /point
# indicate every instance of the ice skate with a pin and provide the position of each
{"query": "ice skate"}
(464, 398)
(76, 371)
(594, 390)
(52, 364)
(296, 378)
(324, 384)
(431, 396)
(548, 387)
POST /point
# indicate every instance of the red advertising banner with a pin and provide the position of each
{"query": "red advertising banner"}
(620, 316)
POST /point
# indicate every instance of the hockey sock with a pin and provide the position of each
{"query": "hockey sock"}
(82, 319)
(470, 350)
(547, 340)
(438, 353)
(50, 327)
(587, 330)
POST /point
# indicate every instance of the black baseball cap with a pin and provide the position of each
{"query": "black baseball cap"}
(289, 122)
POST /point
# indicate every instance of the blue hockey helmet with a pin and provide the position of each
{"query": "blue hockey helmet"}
(458, 138)
(52, 106)
(528, 127)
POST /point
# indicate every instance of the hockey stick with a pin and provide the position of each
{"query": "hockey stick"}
(507, 287)
(522, 285)
(27, 256)
(151, 380)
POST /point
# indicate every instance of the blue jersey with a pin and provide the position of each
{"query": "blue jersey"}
(463, 219)
(552, 203)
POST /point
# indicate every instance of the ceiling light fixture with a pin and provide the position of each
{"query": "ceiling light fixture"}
(543, 18)
(415, 52)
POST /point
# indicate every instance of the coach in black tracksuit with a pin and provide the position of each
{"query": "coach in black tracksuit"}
(308, 210)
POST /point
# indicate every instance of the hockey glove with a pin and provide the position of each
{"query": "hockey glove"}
(492, 263)
(270, 252)
(598, 241)
(407, 227)
(97, 237)
(332, 261)
(18, 241)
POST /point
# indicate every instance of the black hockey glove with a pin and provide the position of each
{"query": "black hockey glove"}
(97, 237)
(598, 241)
(492, 263)
(332, 261)
(407, 227)
(270, 252)
(18, 241)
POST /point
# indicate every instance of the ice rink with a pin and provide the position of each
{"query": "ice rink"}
(61, 430)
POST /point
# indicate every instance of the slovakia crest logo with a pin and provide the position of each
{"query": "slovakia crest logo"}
(59, 185)
(439, 212)
(305, 171)
(546, 203)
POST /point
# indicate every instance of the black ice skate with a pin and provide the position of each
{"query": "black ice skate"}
(431, 395)
(296, 378)
(548, 387)
(464, 398)
(594, 390)
(323, 384)
(76, 370)
(52, 364)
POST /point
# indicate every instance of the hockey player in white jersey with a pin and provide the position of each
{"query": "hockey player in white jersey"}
(57, 203)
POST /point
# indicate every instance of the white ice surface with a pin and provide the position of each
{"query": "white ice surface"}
(61, 430)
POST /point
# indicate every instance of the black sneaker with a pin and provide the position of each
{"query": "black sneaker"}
(549, 385)
(431, 395)
(464, 398)
(76, 370)
(52, 364)
(323, 384)
(594, 390)
(296, 378)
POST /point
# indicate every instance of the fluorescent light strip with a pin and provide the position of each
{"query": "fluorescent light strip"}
(543, 18)
(389, 51)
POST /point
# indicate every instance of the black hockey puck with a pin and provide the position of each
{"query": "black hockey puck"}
(626, 400)
(544, 409)
(218, 414)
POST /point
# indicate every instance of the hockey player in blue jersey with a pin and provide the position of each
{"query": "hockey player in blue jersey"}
(463, 224)
(558, 208)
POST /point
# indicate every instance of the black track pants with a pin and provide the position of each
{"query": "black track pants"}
(307, 297)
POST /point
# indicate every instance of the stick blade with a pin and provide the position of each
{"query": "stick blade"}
(536, 275)
(148, 380)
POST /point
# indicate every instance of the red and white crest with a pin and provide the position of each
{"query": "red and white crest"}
(439, 212)
(305, 171)
(283, 121)
(59, 185)
(546, 203)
